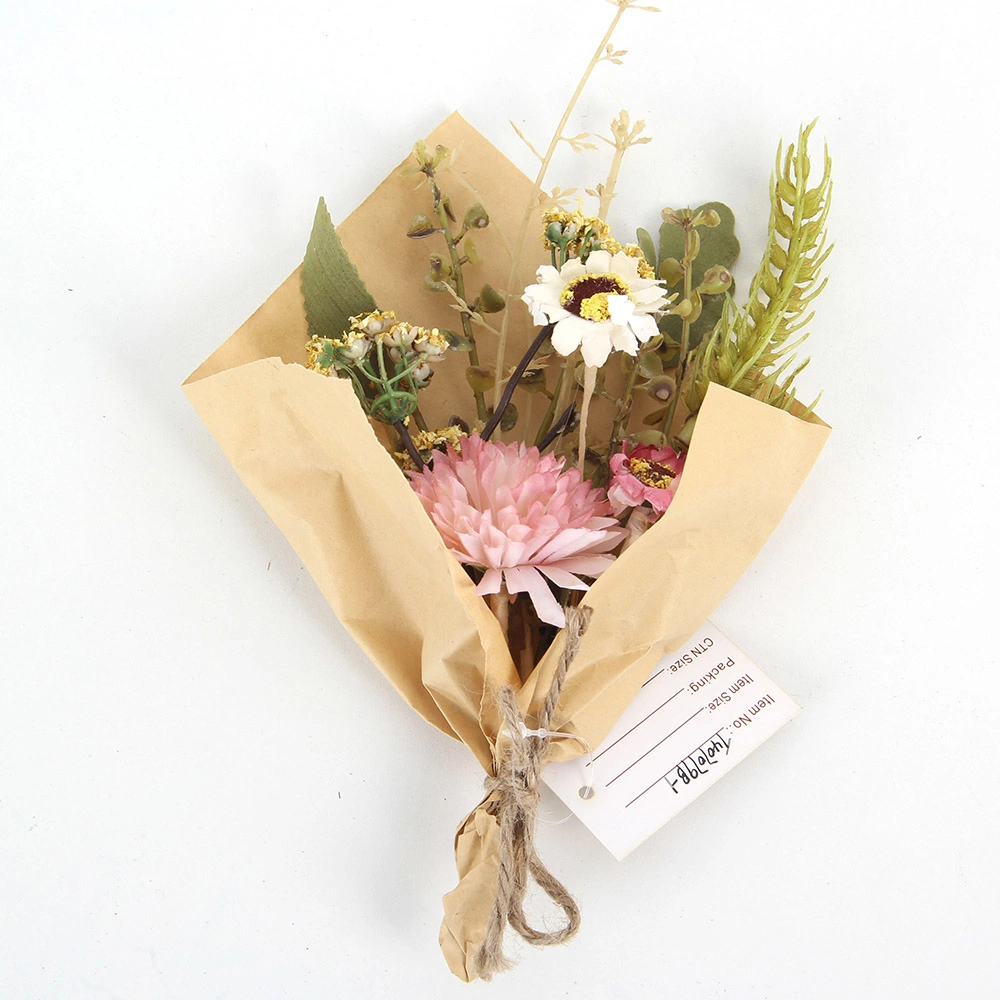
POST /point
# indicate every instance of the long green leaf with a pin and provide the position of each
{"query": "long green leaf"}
(331, 286)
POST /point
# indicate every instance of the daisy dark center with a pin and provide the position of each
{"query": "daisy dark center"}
(651, 473)
(587, 296)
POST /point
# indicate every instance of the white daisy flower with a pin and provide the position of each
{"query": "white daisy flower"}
(600, 306)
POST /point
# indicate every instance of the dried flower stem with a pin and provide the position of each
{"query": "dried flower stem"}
(494, 225)
(569, 387)
(589, 384)
(558, 427)
(624, 412)
(528, 650)
(440, 207)
(599, 54)
(608, 190)
(407, 441)
(624, 139)
(550, 413)
(508, 392)
(500, 606)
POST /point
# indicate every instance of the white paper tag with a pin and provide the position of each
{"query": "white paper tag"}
(704, 708)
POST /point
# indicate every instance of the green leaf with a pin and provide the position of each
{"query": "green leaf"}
(696, 306)
(752, 349)
(325, 357)
(650, 364)
(655, 438)
(331, 286)
(508, 419)
(645, 242)
(490, 300)
(471, 252)
(457, 341)
(671, 271)
(480, 377)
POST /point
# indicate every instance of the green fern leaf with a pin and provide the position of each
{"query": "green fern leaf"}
(751, 349)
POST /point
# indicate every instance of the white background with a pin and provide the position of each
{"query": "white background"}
(206, 791)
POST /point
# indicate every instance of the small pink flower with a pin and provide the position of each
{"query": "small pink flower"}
(644, 474)
(516, 514)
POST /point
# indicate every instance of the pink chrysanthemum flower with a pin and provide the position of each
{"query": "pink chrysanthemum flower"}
(519, 516)
(644, 474)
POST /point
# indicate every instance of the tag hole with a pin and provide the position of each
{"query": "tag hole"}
(587, 792)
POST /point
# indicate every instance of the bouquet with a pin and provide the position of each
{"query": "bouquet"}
(523, 456)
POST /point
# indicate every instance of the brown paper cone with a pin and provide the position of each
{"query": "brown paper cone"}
(306, 451)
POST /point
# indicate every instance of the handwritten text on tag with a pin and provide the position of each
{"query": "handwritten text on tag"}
(703, 709)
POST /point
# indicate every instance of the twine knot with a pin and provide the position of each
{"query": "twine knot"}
(514, 788)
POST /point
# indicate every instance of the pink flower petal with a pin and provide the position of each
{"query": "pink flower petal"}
(528, 579)
(490, 583)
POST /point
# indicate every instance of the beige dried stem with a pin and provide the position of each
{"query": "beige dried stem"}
(625, 135)
(603, 52)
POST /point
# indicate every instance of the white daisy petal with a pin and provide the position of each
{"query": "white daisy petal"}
(620, 309)
(538, 314)
(623, 339)
(651, 297)
(626, 266)
(643, 326)
(599, 262)
(543, 301)
(596, 343)
(569, 333)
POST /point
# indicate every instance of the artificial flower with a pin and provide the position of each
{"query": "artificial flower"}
(644, 474)
(601, 305)
(518, 515)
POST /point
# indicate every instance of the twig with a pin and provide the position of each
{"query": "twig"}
(508, 392)
(539, 179)
(558, 427)
(411, 448)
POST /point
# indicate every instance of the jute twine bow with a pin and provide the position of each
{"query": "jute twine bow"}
(516, 789)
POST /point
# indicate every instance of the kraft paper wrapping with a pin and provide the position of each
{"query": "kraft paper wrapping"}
(306, 451)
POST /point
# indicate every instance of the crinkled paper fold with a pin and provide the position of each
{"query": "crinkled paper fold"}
(306, 451)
